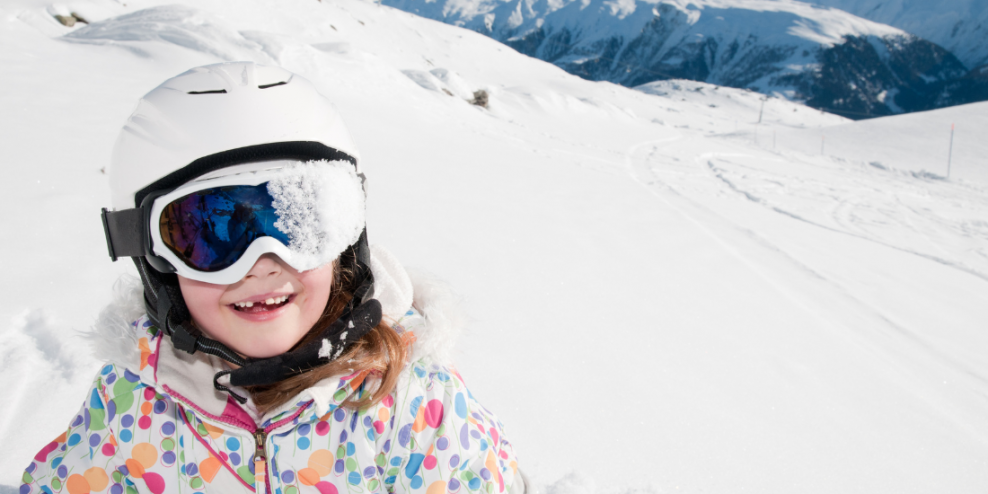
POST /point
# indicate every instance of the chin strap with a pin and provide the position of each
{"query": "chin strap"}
(356, 321)
(339, 336)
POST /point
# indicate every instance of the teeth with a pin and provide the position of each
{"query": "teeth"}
(270, 301)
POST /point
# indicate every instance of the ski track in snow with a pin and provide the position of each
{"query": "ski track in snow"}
(719, 174)
(727, 247)
(639, 168)
(922, 347)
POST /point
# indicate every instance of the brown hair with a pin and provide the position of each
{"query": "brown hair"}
(380, 353)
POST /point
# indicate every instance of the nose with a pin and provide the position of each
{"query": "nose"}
(266, 266)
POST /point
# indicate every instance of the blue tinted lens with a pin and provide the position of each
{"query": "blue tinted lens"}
(210, 229)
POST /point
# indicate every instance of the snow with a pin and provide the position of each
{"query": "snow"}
(915, 142)
(664, 295)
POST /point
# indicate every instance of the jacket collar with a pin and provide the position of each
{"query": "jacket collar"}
(188, 379)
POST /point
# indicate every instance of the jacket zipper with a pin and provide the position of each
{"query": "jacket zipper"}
(260, 462)
(262, 485)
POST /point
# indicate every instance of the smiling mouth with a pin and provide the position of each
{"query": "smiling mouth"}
(267, 305)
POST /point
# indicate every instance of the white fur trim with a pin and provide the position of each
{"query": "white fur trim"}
(112, 337)
(441, 321)
(444, 320)
(392, 287)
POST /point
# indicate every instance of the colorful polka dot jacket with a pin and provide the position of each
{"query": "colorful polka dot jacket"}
(161, 427)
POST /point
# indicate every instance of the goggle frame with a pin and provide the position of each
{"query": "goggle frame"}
(236, 271)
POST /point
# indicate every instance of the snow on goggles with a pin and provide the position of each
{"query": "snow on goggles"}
(214, 229)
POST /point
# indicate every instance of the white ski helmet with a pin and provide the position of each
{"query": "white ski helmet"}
(219, 120)
(217, 108)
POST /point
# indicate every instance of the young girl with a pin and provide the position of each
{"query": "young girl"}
(273, 350)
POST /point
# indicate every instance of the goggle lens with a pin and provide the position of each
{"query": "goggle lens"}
(210, 229)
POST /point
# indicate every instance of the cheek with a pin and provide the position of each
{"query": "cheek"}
(202, 299)
(318, 284)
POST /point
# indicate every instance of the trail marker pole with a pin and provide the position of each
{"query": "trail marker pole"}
(762, 109)
(950, 151)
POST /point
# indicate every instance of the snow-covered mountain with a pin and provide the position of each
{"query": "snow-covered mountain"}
(827, 58)
(960, 26)
(672, 289)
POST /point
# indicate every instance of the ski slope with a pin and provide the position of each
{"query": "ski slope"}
(661, 298)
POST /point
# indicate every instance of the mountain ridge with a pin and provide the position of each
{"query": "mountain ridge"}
(822, 56)
(960, 26)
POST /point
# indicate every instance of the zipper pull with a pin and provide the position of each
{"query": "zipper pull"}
(260, 463)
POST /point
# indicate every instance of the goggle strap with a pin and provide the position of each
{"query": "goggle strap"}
(125, 232)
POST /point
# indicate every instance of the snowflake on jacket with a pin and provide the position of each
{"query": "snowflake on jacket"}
(138, 433)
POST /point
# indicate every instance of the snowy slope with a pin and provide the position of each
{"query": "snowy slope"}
(825, 57)
(917, 143)
(927, 149)
(660, 301)
(957, 25)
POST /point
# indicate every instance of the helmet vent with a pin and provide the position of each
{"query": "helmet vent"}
(212, 91)
(265, 86)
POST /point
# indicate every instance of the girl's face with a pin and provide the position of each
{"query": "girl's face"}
(265, 313)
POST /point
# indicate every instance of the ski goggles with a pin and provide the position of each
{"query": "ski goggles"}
(214, 229)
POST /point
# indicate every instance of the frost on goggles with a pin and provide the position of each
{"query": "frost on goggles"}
(316, 209)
